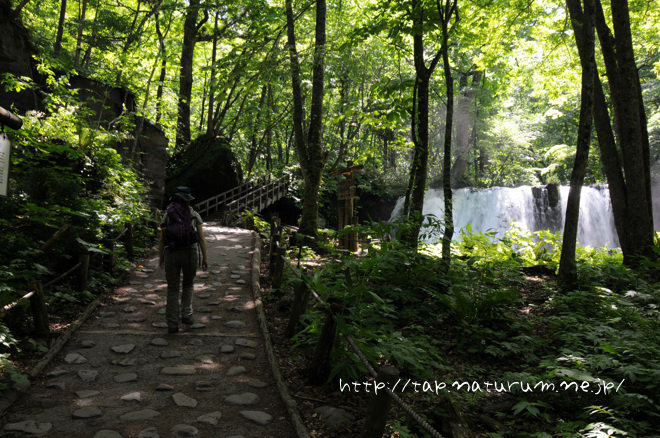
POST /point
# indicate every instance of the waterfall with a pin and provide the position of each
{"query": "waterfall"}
(531, 208)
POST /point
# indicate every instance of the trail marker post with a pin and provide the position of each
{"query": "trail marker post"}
(346, 193)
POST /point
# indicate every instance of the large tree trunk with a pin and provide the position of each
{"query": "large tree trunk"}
(629, 177)
(583, 27)
(186, 75)
(310, 148)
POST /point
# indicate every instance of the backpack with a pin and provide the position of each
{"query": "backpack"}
(179, 230)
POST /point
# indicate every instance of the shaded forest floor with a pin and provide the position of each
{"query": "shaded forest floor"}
(496, 331)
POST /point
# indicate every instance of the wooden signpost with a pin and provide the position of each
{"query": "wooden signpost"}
(13, 122)
(346, 193)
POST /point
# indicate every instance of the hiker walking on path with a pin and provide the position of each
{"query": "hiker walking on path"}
(180, 233)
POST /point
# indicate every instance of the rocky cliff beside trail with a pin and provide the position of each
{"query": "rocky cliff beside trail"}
(107, 103)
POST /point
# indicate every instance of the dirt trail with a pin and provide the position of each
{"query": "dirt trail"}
(122, 375)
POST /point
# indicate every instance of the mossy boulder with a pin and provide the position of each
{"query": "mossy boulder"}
(208, 166)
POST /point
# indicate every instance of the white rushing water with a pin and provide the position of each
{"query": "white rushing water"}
(496, 208)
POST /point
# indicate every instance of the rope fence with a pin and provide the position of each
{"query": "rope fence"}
(36, 295)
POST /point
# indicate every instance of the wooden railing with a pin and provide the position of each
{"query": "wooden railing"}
(256, 194)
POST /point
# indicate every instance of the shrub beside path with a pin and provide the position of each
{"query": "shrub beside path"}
(122, 375)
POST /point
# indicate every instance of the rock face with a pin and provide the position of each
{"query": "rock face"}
(208, 166)
(107, 103)
(15, 58)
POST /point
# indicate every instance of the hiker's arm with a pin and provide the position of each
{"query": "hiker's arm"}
(202, 245)
(161, 248)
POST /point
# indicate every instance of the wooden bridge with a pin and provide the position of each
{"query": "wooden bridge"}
(255, 194)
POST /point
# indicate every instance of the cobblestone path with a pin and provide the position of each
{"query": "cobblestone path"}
(122, 375)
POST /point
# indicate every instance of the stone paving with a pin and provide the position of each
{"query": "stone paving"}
(123, 375)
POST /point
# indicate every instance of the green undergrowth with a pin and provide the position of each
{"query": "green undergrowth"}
(520, 357)
(66, 176)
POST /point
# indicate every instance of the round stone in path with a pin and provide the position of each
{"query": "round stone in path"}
(87, 412)
(159, 324)
(75, 358)
(184, 430)
(132, 396)
(236, 370)
(183, 400)
(129, 309)
(242, 342)
(198, 325)
(57, 372)
(56, 385)
(234, 276)
(177, 371)
(87, 343)
(136, 319)
(226, 348)
(106, 433)
(246, 398)
(211, 418)
(126, 362)
(196, 342)
(123, 349)
(204, 296)
(258, 417)
(203, 386)
(87, 393)
(170, 354)
(106, 314)
(159, 342)
(247, 356)
(125, 377)
(235, 324)
(256, 383)
(29, 427)
(164, 387)
(144, 414)
(88, 375)
(216, 317)
(149, 432)
(240, 282)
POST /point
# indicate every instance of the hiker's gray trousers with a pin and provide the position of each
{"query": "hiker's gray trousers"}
(179, 261)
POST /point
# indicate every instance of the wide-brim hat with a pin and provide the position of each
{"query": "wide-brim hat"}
(183, 192)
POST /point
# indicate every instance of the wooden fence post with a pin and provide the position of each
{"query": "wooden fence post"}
(128, 241)
(374, 425)
(109, 259)
(319, 369)
(39, 311)
(275, 237)
(301, 296)
(84, 270)
(277, 269)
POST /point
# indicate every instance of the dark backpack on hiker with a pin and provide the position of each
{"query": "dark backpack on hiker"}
(179, 229)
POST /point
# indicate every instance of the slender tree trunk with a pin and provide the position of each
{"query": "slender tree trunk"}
(450, 8)
(81, 25)
(60, 30)
(209, 125)
(582, 20)
(163, 67)
(88, 53)
(186, 75)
